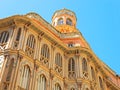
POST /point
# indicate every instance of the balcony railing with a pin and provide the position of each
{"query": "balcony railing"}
(58, 69)
(71, 74)
(44, 61)
(29, 51)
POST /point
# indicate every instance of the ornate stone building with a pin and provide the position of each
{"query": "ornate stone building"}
(36, 55)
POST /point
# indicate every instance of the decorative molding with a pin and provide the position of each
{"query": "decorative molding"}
(51, 75)
(40, 36)
(7, 23)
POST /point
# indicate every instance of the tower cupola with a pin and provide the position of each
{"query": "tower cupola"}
(64, 21)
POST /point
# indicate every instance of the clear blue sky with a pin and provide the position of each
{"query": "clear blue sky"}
(97, 20)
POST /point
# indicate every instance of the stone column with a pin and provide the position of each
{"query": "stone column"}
(65, 84)
(36, 49)
(15, 72)
(34, 76)
(89, 68)
(31, 79)
(77, 66)
(12, 36)
(51, 80)
(40, 37)
(65, 69)
(52, 60)
(24, 38)
(81, 71)
(79, 85)
(4, 72)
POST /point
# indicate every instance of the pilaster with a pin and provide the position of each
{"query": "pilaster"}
(81, 71)
(3, 75)
(12, 36)
(15, 72)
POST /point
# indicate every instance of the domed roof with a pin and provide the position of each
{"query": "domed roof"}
(64, 11)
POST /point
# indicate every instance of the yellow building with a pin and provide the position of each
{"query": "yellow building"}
(36, 55)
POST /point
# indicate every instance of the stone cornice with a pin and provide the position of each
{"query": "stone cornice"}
(5, 23)
(111, 84)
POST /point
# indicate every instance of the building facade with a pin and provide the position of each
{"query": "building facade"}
(36, 55)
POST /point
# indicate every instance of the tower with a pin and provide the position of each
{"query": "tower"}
(64, 21)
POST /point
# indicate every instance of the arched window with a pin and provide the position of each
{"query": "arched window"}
(85, 68)
(92, 73)
(60, 21)
(58, 62)
(25, 78)
(30, 45)
(4, 37)
(41, 83)
(101, 83)
(45, 51)
(57, 87)
(58, 59)
(18, 34)
(71, 67)
(31, 41)
(17, 38)
(45, 54)
(69, 21)
(84, 65)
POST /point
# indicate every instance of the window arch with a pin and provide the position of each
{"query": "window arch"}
(45, 51)
(4, 37)
(30, 45)
(101, 83)
(60, 21)
(57, 87)
(71, 67)
(84, 65)
(69, 21)
(58, 59)
(92, 73)
(41, 83)
(25, 77)
(31, 41)
(58, 62)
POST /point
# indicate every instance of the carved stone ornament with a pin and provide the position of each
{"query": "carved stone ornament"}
(8, 23)
(34, 15)
(44, 61)
(85, 75)
(40, 35)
